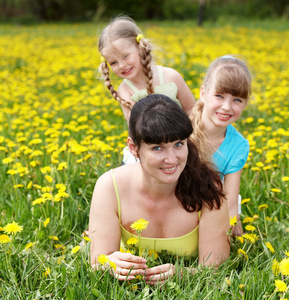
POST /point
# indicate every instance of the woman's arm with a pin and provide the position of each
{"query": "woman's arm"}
(214, 245)
(104, 232)
(231, 188)
(184, 95)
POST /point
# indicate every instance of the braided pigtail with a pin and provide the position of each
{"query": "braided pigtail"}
(146, 61)
(105, 72)
(198, 136)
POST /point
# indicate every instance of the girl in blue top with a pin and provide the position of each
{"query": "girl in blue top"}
(223, 97)
(123, 47)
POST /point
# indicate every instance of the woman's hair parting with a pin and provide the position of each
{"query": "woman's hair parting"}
(124, 27)
(227, 75)
(157, 119)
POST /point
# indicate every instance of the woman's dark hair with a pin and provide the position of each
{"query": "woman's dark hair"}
(157, 119)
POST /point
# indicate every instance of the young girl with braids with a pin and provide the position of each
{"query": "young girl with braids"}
(223, 97)
(124, 48)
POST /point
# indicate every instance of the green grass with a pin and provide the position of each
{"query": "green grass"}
(55, 109)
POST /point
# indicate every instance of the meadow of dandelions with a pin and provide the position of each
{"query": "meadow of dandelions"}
(60, 130)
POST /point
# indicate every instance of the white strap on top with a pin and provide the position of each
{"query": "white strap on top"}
(161, 74)
(131, 85)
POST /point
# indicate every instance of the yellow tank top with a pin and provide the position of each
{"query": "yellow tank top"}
(186, 245)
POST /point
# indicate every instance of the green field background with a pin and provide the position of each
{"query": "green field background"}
(60, 130)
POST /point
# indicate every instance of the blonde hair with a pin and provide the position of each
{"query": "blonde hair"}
(125, 28)
(228, 75)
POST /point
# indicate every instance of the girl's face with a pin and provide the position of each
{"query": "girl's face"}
(164, 162)
(123, 58)
(221, 109)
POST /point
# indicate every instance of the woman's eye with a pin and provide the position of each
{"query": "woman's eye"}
(179, 144)
(157, 148)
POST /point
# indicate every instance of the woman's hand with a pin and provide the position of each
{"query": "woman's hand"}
(159, 274)
(127, 265)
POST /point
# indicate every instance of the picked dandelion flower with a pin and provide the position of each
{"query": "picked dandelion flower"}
(112, 265)
(270, 247)
(75, 249)
(275, 267)
(13, 228)
(250, 228)
(132, 241)
(233, 221)
(139, 225)
(284, 266)
(263, 206)
(4, 239)
(103, 259)
(280, 286)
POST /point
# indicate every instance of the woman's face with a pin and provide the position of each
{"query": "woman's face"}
(164, 162)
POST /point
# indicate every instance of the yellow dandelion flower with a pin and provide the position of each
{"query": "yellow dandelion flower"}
(228, 281)
(253, 238)
(47, 272)
(233, 221)
(275, 267)
(259, 164)
(286, 253)
(4, 238)
(13, 228)
(16, 186)
(38, 201)
(241, 252)
(57, 246)
(285, 178)
(75, 249)
(270, 247)
(248, 220)
(284, 266)
(60, 259)
(139, 225)
(280, 286)
(54, 238)
(48, 178)
(29, 245)
(112, 265)
(132, 241)
(7, 160)
(246, 200)
(250, 228)
(255, 217)
(241, 239)
(242, 286)
(121, 250)
(275, 190)
(62, 166)
(86, 238)
(153, 254)
(103, 259)
(263, 206)
(46, 222)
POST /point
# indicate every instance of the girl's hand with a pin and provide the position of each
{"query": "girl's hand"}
(159, 274)
(127, 265)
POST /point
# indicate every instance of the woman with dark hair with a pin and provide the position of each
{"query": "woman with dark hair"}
(180, 196)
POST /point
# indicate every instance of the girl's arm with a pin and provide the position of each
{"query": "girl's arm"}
(104, 232)
(184, 95)
(214, 245)
(231, 188)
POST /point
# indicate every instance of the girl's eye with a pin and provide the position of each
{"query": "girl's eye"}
(125, 56)
(238, 100)
(219, 96)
